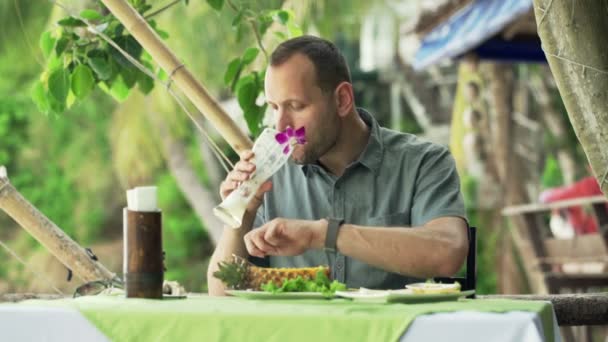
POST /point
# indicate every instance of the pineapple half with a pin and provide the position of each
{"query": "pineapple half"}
(241, 274)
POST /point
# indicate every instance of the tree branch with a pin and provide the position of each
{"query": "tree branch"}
(162, 9)
(258, 38)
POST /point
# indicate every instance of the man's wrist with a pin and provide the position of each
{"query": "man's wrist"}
(319, 233)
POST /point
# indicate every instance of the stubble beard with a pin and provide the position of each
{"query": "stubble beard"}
(319, 144)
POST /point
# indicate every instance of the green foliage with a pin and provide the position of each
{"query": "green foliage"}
(184, 240)
(47, 43)
(469, 190)
(14, 120)
(230, 77)
(90, 14)
(487, 238)
(77, 60)
(487, 242)
(249, 55)
(249, 85)
(82, 81)
(552, 174)
(62, 171)
(216, 4)
(330, 16)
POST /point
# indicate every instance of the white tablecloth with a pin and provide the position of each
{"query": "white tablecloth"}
(474, 326)
(36, 323)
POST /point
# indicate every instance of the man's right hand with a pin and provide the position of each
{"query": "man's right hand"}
(242, 171)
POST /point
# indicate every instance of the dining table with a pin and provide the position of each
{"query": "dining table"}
(199, 317)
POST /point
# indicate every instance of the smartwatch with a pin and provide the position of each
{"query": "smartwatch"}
(333, 226)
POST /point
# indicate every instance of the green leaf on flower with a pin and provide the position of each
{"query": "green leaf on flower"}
(47, 42)
(254, 116)
(216, 4)
(237, 19)
(145, 83)
(101, 66)
(130, 46)
(294, 30)
(249, 55)
(117, 88)
(40, 98)
(59, 84)
(233, 68)
(246, 92)
(90, 14)
(61, 44)
(71, 22)
(82, 81)
(280, 16)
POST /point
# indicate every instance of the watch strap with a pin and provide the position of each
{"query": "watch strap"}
(331, 238)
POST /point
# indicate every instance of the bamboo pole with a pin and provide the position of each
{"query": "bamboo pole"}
(48, 234)
(179, 74)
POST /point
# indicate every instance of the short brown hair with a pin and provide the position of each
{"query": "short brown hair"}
(330, 65)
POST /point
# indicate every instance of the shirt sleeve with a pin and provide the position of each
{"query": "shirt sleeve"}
(437, 189)
(260, 217)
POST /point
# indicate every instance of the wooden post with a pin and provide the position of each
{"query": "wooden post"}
(179, 74)
(144, 253)
(48, 234)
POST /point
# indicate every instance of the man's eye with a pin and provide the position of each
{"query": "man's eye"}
(296, 106)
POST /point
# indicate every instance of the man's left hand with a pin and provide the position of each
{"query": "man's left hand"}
(286, 237)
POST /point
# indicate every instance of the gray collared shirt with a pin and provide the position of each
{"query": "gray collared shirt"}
(398, 181)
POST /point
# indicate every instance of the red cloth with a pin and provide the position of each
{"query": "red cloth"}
(582, 222)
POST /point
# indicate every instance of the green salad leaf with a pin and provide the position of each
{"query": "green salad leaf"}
(321, 283)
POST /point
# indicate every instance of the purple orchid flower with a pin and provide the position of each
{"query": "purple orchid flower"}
(290, 137)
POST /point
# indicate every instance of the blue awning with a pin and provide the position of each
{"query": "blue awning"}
(475, 28)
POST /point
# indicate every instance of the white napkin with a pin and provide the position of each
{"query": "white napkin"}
(142, 198)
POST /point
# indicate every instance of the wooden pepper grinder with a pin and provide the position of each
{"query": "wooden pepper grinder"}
(143, 248)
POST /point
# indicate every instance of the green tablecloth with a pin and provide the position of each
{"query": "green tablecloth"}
(203, 318)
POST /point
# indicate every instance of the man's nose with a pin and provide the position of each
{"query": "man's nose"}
(282, 120)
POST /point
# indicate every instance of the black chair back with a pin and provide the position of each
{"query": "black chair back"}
(470, 279)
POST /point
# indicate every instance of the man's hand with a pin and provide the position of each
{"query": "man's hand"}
(242, 171)
(286, 237)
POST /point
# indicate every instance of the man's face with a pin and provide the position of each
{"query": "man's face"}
(297, 101)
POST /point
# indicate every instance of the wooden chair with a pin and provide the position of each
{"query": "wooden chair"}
(565, 264)
(469, 281)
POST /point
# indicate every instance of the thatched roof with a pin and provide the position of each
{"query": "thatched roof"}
(432, 15)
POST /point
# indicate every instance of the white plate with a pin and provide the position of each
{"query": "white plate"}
(401, 296)
(170, 296)
(433, 288)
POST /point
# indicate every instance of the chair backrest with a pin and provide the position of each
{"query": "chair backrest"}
(469, 281)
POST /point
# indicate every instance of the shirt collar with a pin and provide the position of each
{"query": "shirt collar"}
(374, 150)
(371, 157)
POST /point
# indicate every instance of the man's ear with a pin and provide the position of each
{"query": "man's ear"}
(345, 99)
